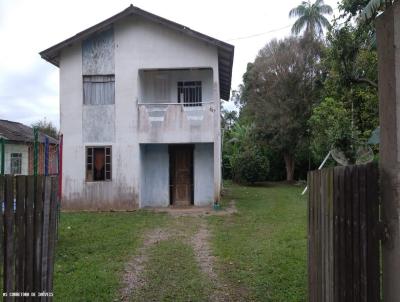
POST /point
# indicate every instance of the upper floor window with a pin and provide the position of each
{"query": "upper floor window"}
(99, 90)
(16, 163)
(189, 93)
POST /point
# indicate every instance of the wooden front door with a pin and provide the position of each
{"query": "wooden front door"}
(181, 174)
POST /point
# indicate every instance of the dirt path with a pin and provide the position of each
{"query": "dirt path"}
(202, 250)
(189, 227)
(133, 274)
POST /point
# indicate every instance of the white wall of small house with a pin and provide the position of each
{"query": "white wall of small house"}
(139, 44)
(10, 148)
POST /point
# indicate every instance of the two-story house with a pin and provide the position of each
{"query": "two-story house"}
(140, 113)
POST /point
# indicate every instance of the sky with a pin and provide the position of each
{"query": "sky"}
(29, 86)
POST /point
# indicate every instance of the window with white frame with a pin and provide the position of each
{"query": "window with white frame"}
(98, 163)
(189, 93)
(16, 163)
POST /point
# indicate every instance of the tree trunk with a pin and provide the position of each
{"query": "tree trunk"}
(289, 163)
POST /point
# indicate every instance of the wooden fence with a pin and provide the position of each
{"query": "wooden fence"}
(28, 235)
(343, 235)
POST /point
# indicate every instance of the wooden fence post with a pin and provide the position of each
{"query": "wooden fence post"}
(20, 232)
(30, 223)
(9, 254)
(388, 42)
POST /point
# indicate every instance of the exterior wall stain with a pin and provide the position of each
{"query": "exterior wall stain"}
(98, 54)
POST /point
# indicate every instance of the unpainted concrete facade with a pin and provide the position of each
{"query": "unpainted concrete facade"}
(136, 51)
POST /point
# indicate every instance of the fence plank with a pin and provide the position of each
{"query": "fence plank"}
(317, 236)
(45, 234)
(342, 237)
(38, 207)
(20, 233)
(9, 276)
(363, 234)
(52, 232)
(310, 237)
(336, 238)
(323, 198)
(331, 257)
(373, 241)
(29, 256)
(355, 221)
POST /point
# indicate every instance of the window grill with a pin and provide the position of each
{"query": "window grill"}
(189, 93)
(98, 163)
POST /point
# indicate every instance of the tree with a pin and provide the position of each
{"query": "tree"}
(331, 127)
(282, 86)
(311, 17)
(351, 68)
(46, 127)
(250, 165)
(228, 119)
(349, 111)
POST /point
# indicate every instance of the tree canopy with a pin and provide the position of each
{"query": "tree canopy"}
(305, 96)
(310, 17)
(46, 127)
(279, 91)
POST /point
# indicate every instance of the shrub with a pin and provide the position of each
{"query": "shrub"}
(250, 166)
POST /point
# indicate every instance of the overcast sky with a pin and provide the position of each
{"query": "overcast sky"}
(29, 85)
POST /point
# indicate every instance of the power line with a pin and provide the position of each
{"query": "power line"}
(259, 34)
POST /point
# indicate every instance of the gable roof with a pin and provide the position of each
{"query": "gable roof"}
(225, 50)
(18, 132)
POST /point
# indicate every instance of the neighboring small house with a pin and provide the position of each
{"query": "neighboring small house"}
(19, 151)
(140, 100)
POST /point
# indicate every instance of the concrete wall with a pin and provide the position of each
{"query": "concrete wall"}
(16, 148)
(139, 44)
(98, 53)
(155, 175)
(388, 41)
(176, 123)
(203, 174)
(98, 122)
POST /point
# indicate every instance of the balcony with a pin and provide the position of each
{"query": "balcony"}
(176, 123)
(177, 106)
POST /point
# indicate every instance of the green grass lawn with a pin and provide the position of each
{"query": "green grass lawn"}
(262, 248)
(92, 251)
(261, 251)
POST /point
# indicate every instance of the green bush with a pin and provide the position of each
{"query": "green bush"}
(250, 166)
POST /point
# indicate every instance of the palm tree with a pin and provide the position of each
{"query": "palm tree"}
(311, 17)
